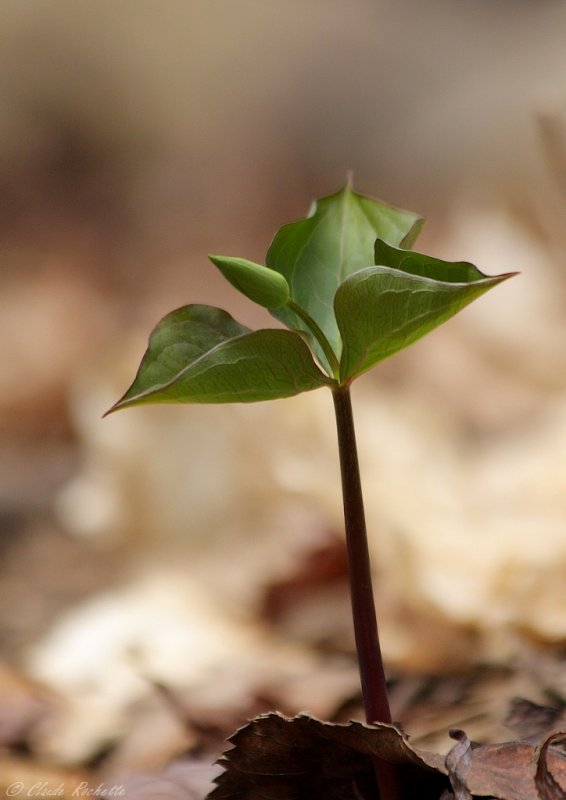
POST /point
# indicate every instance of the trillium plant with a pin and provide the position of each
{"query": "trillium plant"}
(351, 293)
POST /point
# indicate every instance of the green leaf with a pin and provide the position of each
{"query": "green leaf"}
(264, 286)
(200, 354)
(381, 310)
(426, 266)
(318, 253)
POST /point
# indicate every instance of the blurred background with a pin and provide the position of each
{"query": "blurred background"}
(170, 560)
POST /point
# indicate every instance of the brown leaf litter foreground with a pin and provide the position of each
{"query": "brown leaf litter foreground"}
(302, 758)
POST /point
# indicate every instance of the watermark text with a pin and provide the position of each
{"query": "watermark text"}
(48, 789)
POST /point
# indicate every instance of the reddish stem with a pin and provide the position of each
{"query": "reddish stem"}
(372, 674)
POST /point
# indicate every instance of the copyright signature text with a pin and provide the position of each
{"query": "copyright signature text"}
(48, 789)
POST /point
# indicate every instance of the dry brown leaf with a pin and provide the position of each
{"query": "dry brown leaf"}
(303, 757)
(507, 771)
(547, 786)
(458, 764)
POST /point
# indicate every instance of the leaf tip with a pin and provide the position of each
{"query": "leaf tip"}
(116, 407)
(126, 401)
(497, 279)
(218, 261)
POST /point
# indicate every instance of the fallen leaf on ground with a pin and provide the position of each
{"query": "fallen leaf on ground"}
(548, 787)
(458, 763)
(302, 757)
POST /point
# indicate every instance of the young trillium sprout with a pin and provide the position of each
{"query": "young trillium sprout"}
(350, 294)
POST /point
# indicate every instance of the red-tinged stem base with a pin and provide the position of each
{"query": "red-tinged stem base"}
(372, 674)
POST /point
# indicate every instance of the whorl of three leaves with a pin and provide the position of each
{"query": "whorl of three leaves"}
(343, 282)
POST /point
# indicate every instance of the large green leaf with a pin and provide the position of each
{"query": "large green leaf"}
(200, 354)
(318, 253)
(427, 266)
(381, 310)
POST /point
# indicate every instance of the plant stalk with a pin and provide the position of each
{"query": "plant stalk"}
(325, 345)
(372, 674)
